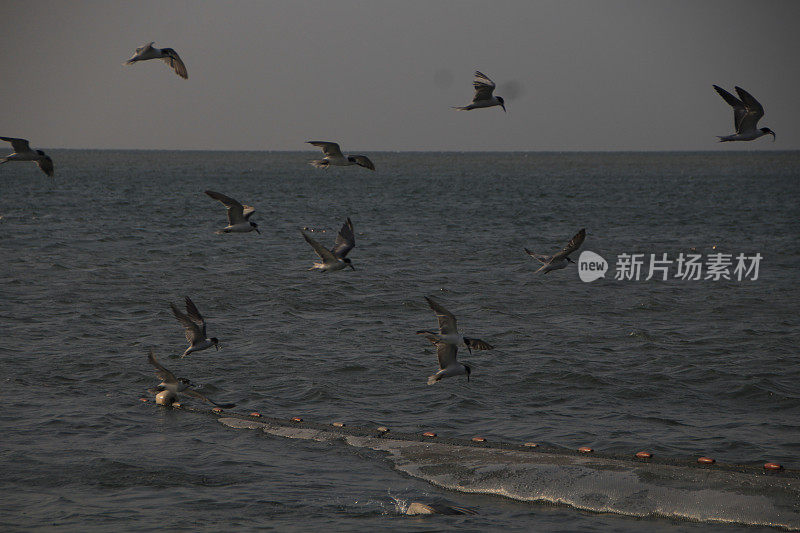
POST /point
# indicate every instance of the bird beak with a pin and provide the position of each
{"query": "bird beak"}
(470, 352)
(216, 346)
(504, 108)
(257, 231)
(351, 266)
(570, 260)
(773, 136)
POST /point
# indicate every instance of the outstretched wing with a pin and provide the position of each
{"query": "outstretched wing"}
(572, 245)
(446, 353)
(19, 145)
(195, 316)
(328, 148)
(754, 110)
(46, 165)
(195, 394)
(194, 332)
(478, 344)
(542, 258)
(363, 161)
(322, 252)
(484, 87)
(172, 59)
(235, 209)
(739, 110)
(447, 321)
(345, 240)
(163, 374)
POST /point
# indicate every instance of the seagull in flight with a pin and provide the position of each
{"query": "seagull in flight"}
(168, 55)
(484, 87)
(195, 326)
(24, 152)
(448, 364)
(746, 114)
(334, 259)
(448, 332)
(559, 260)
(238, 215)
(178, 385)
(334, 156)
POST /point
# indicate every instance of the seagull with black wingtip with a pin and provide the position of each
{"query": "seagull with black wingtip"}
(335, 157)
(168, 55)
(195, 326)
(178, 385)
(484, 87)
(334, 259)
(24, 152)
(746, 114)
(560, 259)
(238, 215)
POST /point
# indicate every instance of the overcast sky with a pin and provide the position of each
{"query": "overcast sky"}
(375, 75)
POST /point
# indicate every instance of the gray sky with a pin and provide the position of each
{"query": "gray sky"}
(588, 75)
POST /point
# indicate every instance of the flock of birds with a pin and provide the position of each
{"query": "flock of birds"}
(747, 112)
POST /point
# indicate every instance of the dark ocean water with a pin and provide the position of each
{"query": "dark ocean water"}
(92, 258)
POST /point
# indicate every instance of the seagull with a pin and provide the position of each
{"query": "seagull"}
(448, 365)
(484, 87)
(559, 260)
(178, 385)
(448, 332)
(334, 259)
(334, 156)
(168, 55)
(195, 326)
(746, 114)
(238, 215)
(23, 152)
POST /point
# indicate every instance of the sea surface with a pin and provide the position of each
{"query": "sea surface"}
(91, 259)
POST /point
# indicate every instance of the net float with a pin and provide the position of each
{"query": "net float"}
(585, 449)
(643, 455)
(429, 434)
(705, 460)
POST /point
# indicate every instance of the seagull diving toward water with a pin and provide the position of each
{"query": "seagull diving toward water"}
(168, 55)
(334, 259)
(334, 156)
(23, 152)
(238, 215)
(448, 364)
(746, 114)
(484, 87)
(178, 385)
(448, 331)
(559, 260)
(195, 326)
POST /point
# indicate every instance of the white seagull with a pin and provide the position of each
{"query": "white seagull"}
(238, 215)
(484, 87)
(334, 156)
(559, 260)
(24, 152)
(746, 114)
(448, 331)
(168, 55)
(195, 326)
(178, 385)
(334, 259)
(448, 364)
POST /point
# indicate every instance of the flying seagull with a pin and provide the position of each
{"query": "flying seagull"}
(168, 55)
(448, 331)
(484, 87)
(23, 152)
(178, 385)
(334, 156)
(559, 260)
(448, 364)
(238, 215)
(195, 326)
(334, 259)
(746, 114)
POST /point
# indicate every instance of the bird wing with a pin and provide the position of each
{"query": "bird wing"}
(195, 316)
(484, 87)
(194, 333)
(446, 353)
(174, 61)
(163, 374)
(447, 321)
(739, 109)
(345, 240)
(754, 110)
(363, 161)
(572, 245)
(46, 165)
(247, 211)
(322, 252)
(478, 344)
(542, 258)
(145, 47)
(195, 394)
(235, 209)
(19, 145)
(328, 148)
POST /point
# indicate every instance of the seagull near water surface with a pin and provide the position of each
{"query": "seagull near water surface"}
(448, 330)
(484, 87)
(195, 326)
(178, 385)
(334, 259)
(24, 152)
(746, 114)
(335, 157)
(238, 215)
(168, 55)
(559, 260)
